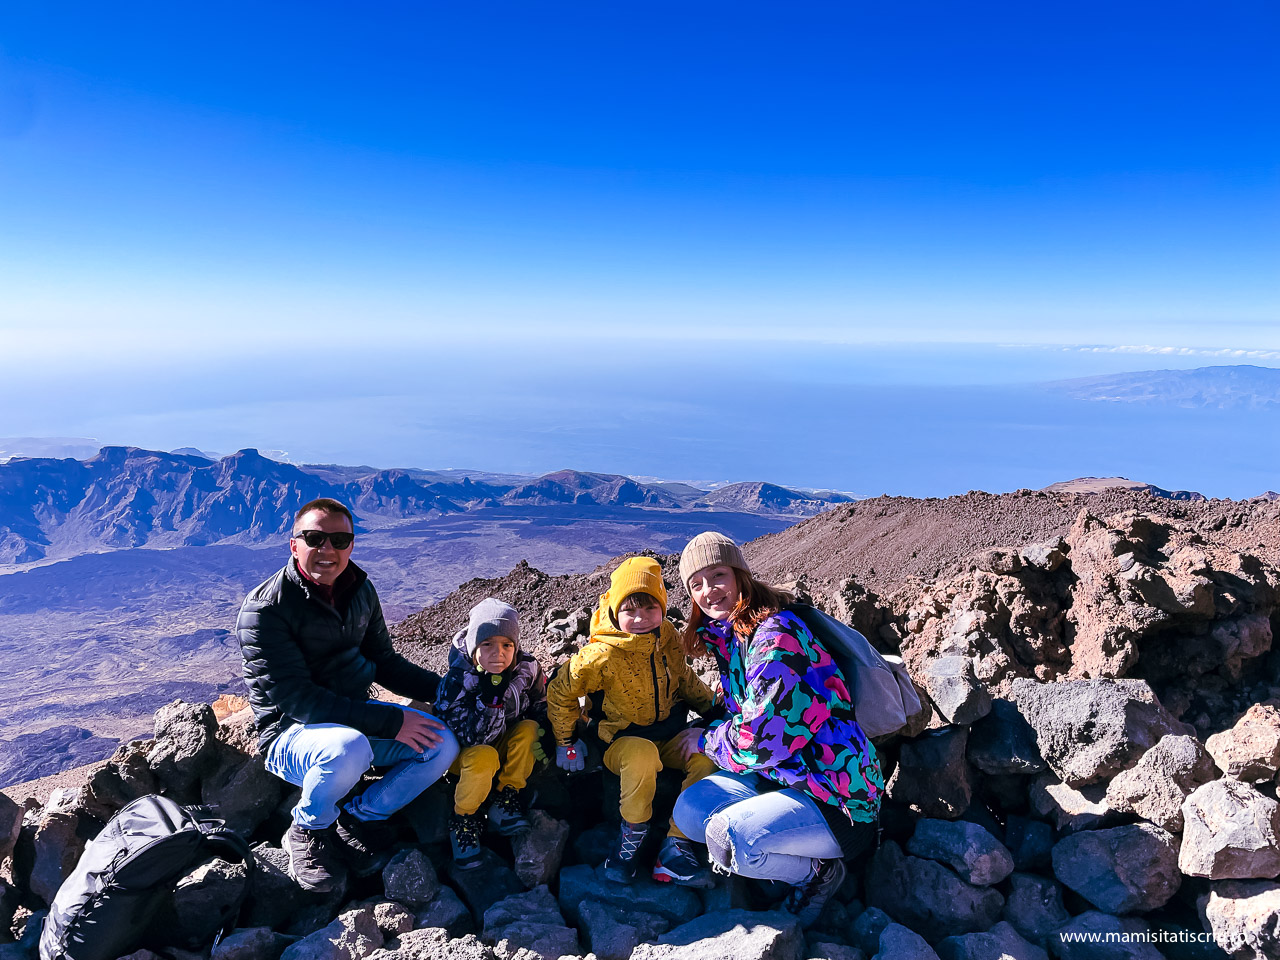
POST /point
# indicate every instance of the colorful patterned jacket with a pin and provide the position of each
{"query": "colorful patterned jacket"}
(479, 711)
(791, 716)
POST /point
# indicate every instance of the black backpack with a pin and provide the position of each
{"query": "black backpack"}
(104, 909)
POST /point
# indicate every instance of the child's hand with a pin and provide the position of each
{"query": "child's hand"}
(571, 759)
(493, 689)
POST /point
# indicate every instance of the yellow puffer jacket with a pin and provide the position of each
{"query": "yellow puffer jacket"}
(642, 677)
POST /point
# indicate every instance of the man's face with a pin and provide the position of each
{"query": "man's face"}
(323, 564)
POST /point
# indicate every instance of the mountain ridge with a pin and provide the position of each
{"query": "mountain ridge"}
(126, 497)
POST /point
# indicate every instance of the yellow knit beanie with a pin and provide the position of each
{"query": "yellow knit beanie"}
(634, 575)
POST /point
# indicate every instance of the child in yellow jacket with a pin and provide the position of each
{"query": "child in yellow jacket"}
(635, 662)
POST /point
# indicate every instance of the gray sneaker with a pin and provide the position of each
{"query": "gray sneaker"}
(313, 862)
(678, 863)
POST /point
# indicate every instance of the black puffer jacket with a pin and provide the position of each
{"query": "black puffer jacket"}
(307, 661)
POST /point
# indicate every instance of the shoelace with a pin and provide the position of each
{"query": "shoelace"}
(630, 845)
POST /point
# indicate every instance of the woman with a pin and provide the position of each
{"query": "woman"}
(799, 785)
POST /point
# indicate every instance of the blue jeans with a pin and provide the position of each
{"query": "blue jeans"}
(327, 760)
(774, 835)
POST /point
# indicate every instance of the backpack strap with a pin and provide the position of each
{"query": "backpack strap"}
(223, 842)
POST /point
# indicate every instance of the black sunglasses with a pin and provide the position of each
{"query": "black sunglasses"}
(315, 539)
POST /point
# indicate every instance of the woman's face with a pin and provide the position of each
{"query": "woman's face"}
(715, 591)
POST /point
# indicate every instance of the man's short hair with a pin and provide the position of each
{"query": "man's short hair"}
(324, 505)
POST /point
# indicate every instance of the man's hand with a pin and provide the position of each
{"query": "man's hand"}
(572, 758)
(418, 731)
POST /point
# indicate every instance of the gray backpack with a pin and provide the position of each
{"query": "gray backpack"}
(104, 909)
(884, 698)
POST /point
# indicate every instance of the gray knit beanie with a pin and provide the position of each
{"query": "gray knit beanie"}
(491, 618)
(710, 549)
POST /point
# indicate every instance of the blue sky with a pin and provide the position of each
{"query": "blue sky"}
(179, 177)
(444, 234)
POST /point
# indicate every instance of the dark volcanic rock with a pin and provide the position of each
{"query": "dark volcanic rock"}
(1121, 870)
(1089, 730)
(735, 935)
(928, 897)
(933, 774)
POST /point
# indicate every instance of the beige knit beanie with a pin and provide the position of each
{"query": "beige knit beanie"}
(710, 549)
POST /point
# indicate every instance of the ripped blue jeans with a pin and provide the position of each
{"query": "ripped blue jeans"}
(765, 834)
(327, 760)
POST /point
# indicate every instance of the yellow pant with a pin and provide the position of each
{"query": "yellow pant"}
(511, 758)
(637, 761)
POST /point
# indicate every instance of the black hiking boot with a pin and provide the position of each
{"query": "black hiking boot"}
(806, 900)
(620, 867)
(364, 844)
(313, 862)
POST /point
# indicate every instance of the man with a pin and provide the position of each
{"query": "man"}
(313, 640)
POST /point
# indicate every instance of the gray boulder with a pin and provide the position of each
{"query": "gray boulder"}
(447, 912)
(529, 920)
(866, 930)
(1244, 917)
(580, 884)
(1231, 832)
(125, 777)
(1030, 842)
(900, 943)
(928, 897)
(734, 935)
(1034, 906)
(10, 826)
(539, 851)
(1003, 743)
(1001, 942)
(353, 936)
(240, 791)
(59, 840)
(612, 932)
(392, 918)
(1156, 786)
(275, 900)
(185, 748)
(969, 849)
(433, 944)
(819, 949)
(199, 899)
(410, 879)
(251, 943)
(1085, 938)
(1072, 808)
(958, 696)
(482, 886)
(933, 775)
(1090, 730)
(1122, 870)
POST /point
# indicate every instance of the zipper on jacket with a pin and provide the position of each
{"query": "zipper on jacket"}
(653, 668)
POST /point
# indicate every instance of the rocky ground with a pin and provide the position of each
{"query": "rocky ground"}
(1095, 775)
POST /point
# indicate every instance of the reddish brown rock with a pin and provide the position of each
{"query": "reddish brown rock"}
(1249, 751)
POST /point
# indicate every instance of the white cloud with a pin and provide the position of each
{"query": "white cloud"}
(1221, 353)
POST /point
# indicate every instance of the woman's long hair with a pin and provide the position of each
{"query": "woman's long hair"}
(757, 602)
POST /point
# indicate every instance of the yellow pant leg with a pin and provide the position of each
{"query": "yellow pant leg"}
(515, 754)
(474, 769)
(682, 753)
(635, 761)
